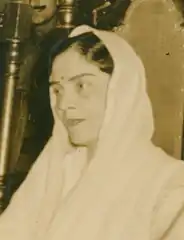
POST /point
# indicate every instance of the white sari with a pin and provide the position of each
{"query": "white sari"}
(130, 190)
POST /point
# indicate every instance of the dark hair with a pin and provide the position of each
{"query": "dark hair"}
(89, 46)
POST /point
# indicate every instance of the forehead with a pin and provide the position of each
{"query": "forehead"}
(71, 63)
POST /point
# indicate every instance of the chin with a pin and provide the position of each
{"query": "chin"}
(78, 141)
(81, 140)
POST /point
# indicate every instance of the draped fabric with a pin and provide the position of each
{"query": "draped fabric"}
(129, 190)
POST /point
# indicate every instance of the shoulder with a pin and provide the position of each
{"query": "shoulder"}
(168, 212)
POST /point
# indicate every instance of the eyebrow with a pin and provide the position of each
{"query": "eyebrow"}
(73, 78)
(80, 75)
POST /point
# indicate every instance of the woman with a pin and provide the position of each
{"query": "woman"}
(99, 177)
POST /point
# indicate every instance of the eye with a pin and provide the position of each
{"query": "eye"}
(82, 86)
(57, 89)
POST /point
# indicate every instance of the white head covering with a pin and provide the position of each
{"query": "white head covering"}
(128, 117)
(75, 201)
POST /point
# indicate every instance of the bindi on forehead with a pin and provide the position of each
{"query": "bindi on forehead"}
(61, 79)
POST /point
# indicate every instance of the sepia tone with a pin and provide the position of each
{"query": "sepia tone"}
(158, 40)
(153, 29)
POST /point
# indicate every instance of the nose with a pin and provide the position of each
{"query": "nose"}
(66, 101)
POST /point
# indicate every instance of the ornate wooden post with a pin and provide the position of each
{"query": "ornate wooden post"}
(16, 26)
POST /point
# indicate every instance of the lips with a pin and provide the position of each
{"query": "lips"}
(74, 121)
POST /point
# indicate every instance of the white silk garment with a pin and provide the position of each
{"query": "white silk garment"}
(131, 190)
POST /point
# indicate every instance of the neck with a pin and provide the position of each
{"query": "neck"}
(91, 150)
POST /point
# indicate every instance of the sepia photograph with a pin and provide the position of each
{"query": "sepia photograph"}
(91, 119)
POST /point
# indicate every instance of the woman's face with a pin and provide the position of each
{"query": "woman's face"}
(80, 89)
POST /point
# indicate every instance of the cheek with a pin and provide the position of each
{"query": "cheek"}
(101, 99)
(93, 105)
(59, 114)
(96, 108)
